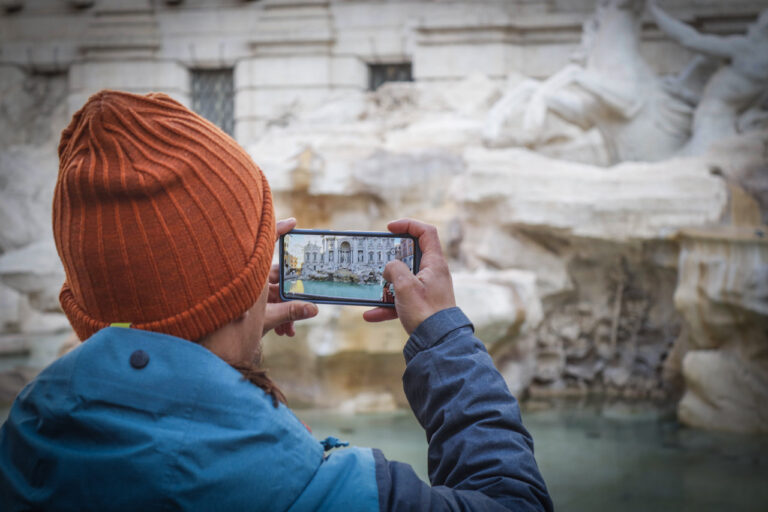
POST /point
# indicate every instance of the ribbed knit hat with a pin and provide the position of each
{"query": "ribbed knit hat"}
(160, 218)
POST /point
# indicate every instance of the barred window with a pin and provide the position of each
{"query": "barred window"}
(213, 96)
(381, 73)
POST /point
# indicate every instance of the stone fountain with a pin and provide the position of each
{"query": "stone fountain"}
(605, 224)
(579, 212)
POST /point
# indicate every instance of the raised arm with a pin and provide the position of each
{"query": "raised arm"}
(717, 46)
(480, 456)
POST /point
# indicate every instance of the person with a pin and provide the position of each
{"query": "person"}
(386, 294)
(166, 231)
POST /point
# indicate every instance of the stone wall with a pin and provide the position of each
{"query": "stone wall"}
(32, 114)
(287, 52)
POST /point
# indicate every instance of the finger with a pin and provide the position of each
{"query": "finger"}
(274, 273)
(274, 293)
(285, 329)
(425, 233)
(396, 271)
(285, 225)
(380, 314)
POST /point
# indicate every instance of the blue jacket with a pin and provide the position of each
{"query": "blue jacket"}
(182, 430)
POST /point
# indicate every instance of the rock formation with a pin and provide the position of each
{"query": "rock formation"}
(32, 112)
(568, 270)
(723, 299)
(587, 258)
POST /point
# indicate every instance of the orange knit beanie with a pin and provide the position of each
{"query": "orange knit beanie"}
(160, 218)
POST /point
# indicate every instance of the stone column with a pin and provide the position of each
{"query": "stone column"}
(495, 39)
(120, 49)
(293, 66)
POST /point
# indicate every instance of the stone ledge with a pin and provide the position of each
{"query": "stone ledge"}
(14, 345)
(756, 234)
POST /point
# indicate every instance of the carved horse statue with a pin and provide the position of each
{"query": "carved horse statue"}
(612, 89)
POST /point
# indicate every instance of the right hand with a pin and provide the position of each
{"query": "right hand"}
(417, 297)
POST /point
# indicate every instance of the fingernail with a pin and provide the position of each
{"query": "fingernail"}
(309, 310)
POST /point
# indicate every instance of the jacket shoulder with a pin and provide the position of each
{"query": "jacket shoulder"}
(178, 422)
(345, 480)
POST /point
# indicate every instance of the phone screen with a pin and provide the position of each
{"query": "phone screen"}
(342, 267)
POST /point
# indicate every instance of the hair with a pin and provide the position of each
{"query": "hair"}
(256, 375)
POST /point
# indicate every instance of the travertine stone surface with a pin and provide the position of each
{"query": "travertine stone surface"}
(724, 392)
(34, 112)
(628, 201)
(723, 297)
(34, 270)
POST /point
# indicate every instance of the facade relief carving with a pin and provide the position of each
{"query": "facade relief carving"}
(735, 88)
(641, 116)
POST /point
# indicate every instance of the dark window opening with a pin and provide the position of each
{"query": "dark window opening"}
(381, 73)
(213, 96)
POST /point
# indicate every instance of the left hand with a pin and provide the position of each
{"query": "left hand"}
(280, 315)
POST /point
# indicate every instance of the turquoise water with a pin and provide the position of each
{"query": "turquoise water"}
(597, 456)
(334, 289)
(600, 457)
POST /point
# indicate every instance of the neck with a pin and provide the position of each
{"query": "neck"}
(616, 44)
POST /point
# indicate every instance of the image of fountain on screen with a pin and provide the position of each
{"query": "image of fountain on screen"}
(342, 267)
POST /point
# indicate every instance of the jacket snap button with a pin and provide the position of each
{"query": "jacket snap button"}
(139, 359)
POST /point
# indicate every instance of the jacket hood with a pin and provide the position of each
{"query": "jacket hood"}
(151, 419)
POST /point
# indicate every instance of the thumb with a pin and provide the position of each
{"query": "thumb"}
(284, 312)
(284, 226)
(397, 271)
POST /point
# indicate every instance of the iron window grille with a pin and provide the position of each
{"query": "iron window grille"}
(213, 96)
(379, 74)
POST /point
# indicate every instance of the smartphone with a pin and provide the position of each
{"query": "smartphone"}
(342, 267)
